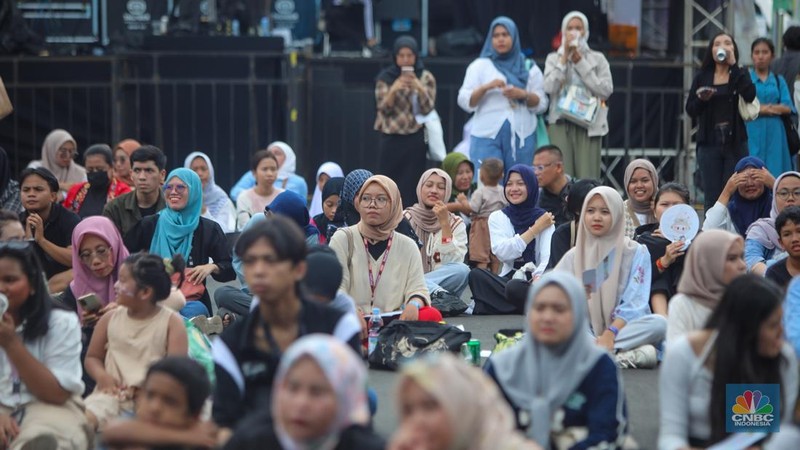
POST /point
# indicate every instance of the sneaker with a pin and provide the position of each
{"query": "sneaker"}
(470, 308)
(643, 357)
(208, 325)
(41, 442)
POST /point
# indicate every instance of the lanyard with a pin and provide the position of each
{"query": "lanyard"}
(373, 282)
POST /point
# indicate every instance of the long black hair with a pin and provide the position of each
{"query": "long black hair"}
(708, 58)
(35, 312)
(746, 303)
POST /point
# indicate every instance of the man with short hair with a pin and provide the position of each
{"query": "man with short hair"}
(148, 171)
(548, 165)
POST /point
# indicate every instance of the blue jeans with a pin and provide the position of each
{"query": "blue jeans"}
(500, 148)
(194, 309)
(452, 277)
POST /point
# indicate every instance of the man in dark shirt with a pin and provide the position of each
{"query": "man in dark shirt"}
(788, 64)
(787, 224)
(148, 171)
(47, 223)
(247, 353)
(548, 165)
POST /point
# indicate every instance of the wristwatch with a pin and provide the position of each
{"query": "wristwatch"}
(413, 302)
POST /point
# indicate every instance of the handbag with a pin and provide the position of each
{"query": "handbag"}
(789, 126)
(578, 105)
(6, 107)
(749, 111)
(190, 291)
(403, 340)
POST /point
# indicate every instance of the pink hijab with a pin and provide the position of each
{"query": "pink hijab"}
(84, 281)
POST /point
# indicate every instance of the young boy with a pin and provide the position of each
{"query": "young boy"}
(485, 200)
(787, 224)
(168, 410)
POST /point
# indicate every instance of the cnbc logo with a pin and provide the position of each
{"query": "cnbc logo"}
(752, 408)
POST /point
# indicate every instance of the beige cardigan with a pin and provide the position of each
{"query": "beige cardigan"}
(402, 277)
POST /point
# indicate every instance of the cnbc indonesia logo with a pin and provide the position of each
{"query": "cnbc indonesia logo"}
(753, 408)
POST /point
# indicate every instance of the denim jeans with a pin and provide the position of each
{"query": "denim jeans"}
(500, 148)
(452, 277)
(194, 309)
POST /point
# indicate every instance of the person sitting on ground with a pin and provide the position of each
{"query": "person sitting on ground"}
(90, 197)
(248, 352)
(216, 204)
(484, 201)
(48, 224)
(252, 201)
(443, 234)
(40, 368)
(791, 317)
(147, 166)
(168, 409)
(557, 361)
(462, 172)
(741, 343)
(323, 278)
(744, 199)
(715, 259)
(286, 178)
(787, 224)
(179, 229)
(122, 160)
(641, 184)
(436, 415)
(520, 235)
(131, 337)
(565, 235)
(10, 227)
(325, 172)
(335, 417)
(388, 273)
(762, 246)
(330, 205)
(789, 435)
(291, 205)
(554, 184)
(667, 257)
(619, 300)
(58, 156)
(9, 188)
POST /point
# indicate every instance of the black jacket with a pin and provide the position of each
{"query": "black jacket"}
(739, 83)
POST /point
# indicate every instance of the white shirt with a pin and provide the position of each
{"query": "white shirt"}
(718, 218)
(507, 245)
(494, 109)
(685, 315)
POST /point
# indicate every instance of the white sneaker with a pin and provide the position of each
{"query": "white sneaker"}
(644, 357)
(470, 308)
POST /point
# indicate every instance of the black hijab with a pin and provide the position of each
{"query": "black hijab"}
(390, 74)
(332, 187)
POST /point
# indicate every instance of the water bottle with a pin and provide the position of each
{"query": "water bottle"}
(375, 325)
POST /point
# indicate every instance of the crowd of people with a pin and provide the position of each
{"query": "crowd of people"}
(104, 271)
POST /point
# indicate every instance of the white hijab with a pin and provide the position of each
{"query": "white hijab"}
(333, 170)
(583, 45)
(289, 166)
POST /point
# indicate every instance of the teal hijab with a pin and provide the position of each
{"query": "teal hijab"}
(175, 229)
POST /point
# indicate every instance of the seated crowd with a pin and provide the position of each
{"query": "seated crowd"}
(105, 269)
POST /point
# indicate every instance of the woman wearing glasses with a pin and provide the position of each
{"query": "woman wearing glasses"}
(179, 229)
(58, 156)
(762, 247)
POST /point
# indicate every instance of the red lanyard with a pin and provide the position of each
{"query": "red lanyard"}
(373, 282)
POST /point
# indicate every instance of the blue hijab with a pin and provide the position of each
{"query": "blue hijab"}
(511, 64)
(744, 212)
(292, 205)
(524, 215)
(175, 229)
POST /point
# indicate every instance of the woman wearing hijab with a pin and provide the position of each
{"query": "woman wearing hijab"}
(462, 172)
(382, 268)
(291, 205)
(58, 156)
(443, 235)
(557, 361)
(325, 172)
(715, 258)
(9, 188)
(402, 91)
(505, 97)
(762, 245)
(745, 198)
(435, 413)
(287, 179)
(179, 229)
(337, 417)
(122, 160)
(641, 183)
(616, 274)
(520, 235)
(574, 64)
(330, 199)
(216, 204)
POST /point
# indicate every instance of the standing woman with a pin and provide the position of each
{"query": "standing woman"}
(713, 102)
(505, 98)
(641, 183)
(575, 64)
(216, 204)
(402, 91)
(766, 136)
(58, 156)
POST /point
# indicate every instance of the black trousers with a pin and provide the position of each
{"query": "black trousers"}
(496, 295)
(402, 158)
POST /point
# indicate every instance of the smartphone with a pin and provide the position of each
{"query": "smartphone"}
(407, 69)
(3, 304)
(704, 89)
(90, 302)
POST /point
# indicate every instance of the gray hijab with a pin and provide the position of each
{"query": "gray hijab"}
(540, 378)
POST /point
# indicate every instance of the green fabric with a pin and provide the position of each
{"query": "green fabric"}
(200, 349)
(450, 165)
(504, 342)
(581, 152)
(542, 138)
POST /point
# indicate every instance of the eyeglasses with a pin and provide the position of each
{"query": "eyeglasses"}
(783, 194)
(65, 153)
(88, 256)
(179, 188)
(541, 167)
(367, 200)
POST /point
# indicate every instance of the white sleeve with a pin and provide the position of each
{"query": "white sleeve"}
(718, 218)
(543, 243)
(553, 74)
(674, 388)
(62, 350)
(506, 244)
(471, 82)
(678, 319)
(456, 250)
(536, 86)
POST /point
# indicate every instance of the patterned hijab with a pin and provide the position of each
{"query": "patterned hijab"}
(347, 376)
(512, 63)
(347, 212)
(763, 230)
(72, 174)
(525, 214)
(701, 279)
(215, 199)
(384, 230)
(175, 229)
(84, 281)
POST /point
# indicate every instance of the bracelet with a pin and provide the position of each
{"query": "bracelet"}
(614, 330)
(414, 302)
(660, 265)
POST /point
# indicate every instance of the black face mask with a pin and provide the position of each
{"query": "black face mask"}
(98, 180)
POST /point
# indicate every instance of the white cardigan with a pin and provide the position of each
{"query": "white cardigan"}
(507, 245)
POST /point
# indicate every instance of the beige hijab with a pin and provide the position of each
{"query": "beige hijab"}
(701, 280)
(422, 218)
(642, 207)
(74, 173)
(589, 252)
(383, 231)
